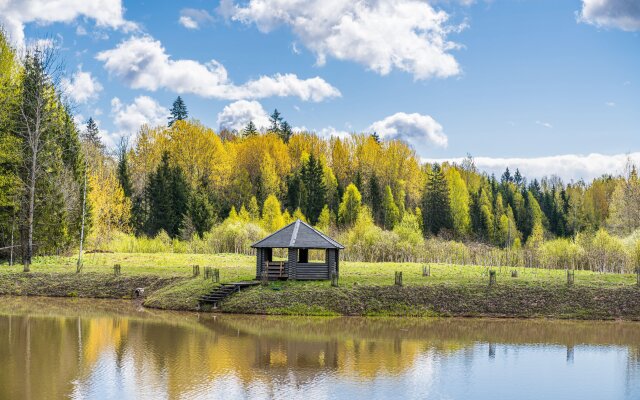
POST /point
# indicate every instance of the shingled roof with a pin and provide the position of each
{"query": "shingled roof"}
(298, 235)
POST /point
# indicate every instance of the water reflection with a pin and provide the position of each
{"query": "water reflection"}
(111, 350)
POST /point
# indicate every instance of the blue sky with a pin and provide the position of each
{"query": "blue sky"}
(510, 82)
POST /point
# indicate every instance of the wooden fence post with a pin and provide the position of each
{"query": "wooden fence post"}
(570, 277)
(264, 278)
(216, 275)
(426, 270)
(196, 270)
(398, 278)
(492, 277)
(334, 279)
(514, 273)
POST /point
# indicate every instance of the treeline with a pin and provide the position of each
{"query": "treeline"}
(185, 183)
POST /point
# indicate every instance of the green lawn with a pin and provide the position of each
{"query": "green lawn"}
(234, 267)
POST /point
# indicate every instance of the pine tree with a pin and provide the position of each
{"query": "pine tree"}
(390, 211)
(250, 130)
(92, 134)
(285, 132)
(178, 111)
(436, 207)
(276, 120)
(167, 195)
(313, 188)
(123, 168)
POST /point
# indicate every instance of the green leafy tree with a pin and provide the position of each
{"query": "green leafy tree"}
(350, 206)
(390, 211)
(324, 220)
(272, 218)
(178, 111)
(459, 200)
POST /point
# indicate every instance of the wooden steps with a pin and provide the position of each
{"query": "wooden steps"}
(223, 291)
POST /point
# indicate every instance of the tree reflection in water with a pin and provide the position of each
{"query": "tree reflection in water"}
(52, 349)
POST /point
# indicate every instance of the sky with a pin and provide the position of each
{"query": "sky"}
(546, 86)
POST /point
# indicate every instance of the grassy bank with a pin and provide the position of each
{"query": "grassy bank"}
(365, 288)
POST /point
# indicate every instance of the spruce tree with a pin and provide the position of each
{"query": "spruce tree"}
(250, 130)
(92, 134)
(178, 111)
(123, 168)
(313, 189)
(200, 211)
(376, 137)
(167, 195)
(375, 200)
(276, 120)
(285, 132)
(436, 209)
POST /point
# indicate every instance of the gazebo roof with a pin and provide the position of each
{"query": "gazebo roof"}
(298, 235)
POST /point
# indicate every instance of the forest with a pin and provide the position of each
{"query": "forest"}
(184, 187)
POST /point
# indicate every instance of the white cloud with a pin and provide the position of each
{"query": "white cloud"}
(82, 87)
(610, 104)
(568, 167)
(142, 63)
(237, 115)
(409, 35)
(128, 118)
(621, 14)
(416, 129)
(192, 18)
(545, 124)
(14, 14)
(330, 131)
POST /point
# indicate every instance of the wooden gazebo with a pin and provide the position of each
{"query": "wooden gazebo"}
(298, 237)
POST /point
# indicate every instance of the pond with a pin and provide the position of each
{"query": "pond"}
(101, 349)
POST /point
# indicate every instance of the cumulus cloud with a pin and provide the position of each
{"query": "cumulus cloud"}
(14, 14)
(568, 167)
(237, 115)
(416, 129)
(621, 14)
(82, 86)
(192, 18)
(128, 118)
(142, 63)
(409, 35)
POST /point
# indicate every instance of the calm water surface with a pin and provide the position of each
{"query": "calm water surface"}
(87, 349)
